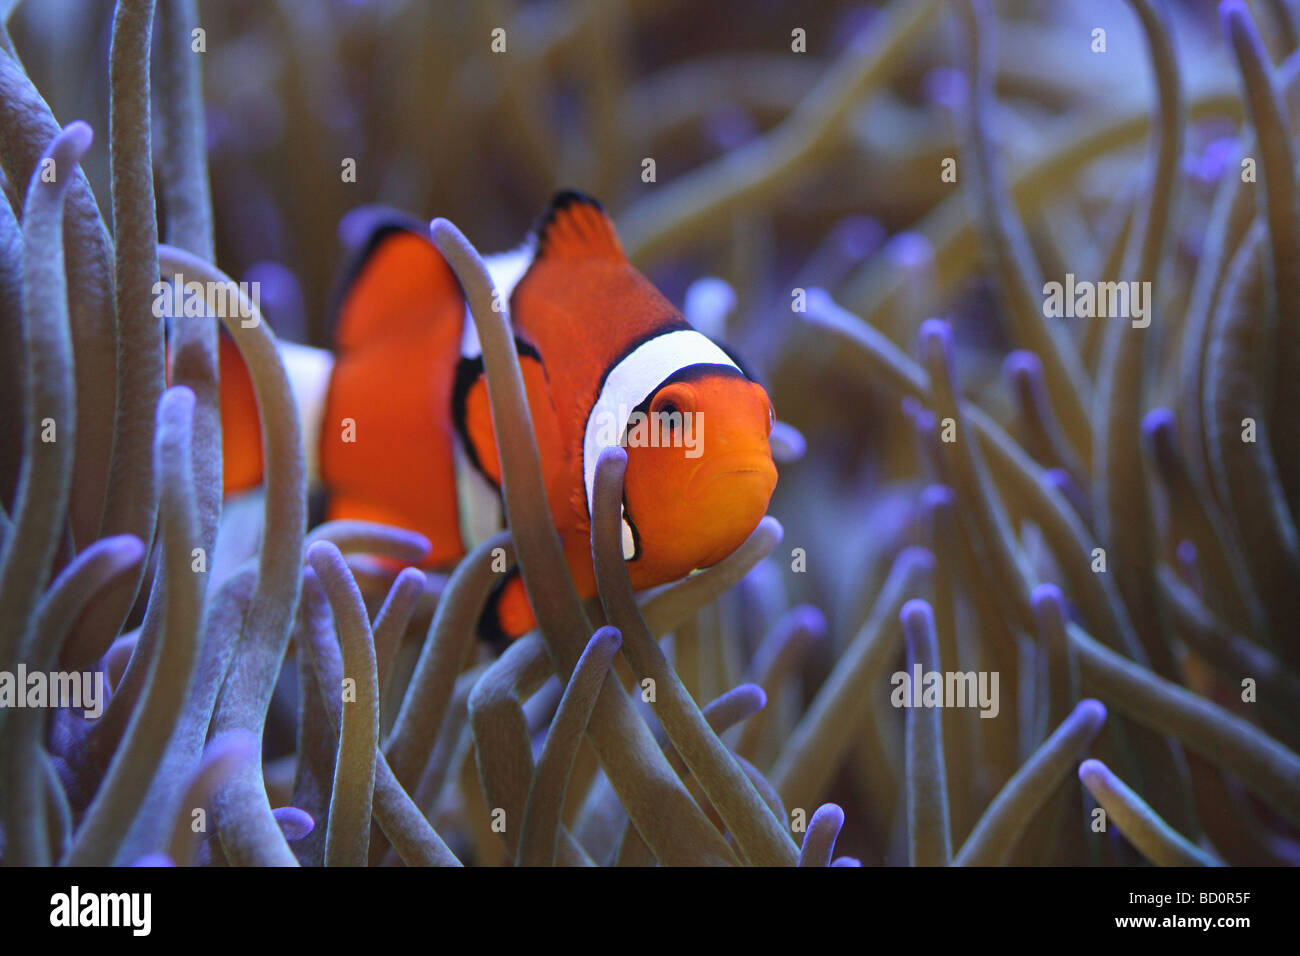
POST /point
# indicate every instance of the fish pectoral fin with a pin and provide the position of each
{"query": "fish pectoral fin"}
(472, 414)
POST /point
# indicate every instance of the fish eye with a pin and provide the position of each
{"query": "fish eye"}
(666, 411)
(676, 400)
(771, 418)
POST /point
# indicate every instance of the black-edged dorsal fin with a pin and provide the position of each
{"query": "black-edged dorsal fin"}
(393, 278)
(576, 226)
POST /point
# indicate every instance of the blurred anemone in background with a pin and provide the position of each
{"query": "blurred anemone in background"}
(869, 202)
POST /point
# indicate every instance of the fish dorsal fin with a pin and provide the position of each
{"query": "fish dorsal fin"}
(575, 226)
(396, 282)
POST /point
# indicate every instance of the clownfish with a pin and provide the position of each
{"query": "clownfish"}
(398, 425)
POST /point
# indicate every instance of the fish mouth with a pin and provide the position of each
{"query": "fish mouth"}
(744, 468)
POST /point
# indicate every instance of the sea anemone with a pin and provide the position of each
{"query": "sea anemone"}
(1108, 533)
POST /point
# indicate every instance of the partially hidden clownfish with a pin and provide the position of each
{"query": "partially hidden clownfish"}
(605, 358)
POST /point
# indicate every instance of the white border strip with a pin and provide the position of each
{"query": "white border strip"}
(309, 370)
(633, 380)
(505, 270)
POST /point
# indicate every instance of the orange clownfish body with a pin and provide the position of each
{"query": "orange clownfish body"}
(405, 434)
